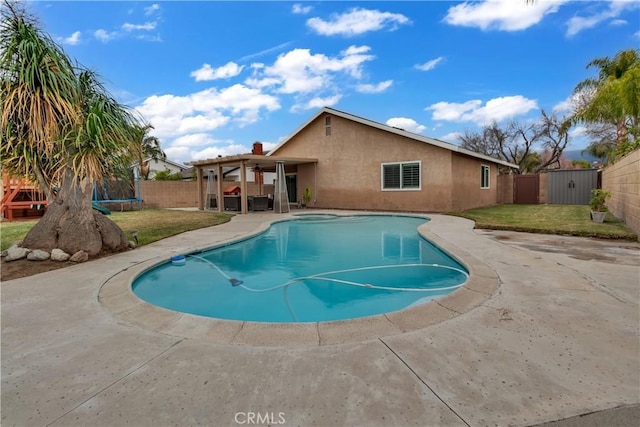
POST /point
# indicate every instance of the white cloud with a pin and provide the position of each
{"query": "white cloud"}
(578, 131)
(195, 140)
(206, 72)
(618, 22)
(318, 102)
(175, 116)
(202, 122)
(357, 21)
(565, 106)
(262, 82)
(572, 102)
(429, 65)
(407, 124)
(213, 152)
(355, 50)
(147, 26)
(151, 9)
(178, 154)
(451, 137)
(496, 109)
(72, 40)
(578, 23)
(104, 35)
(149, 38)
(268, 146)
(504, 15)
(377, 88)
(452, 111)
(636, 34)
(299, 71)
(299, 9)
(615, 8)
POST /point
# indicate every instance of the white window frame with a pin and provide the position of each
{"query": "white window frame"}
(484, 168)
(419, 188)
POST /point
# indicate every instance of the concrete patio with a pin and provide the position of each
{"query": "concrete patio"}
(547, 330)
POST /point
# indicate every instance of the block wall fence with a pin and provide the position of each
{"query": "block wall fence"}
(622, 179)
(184, 194)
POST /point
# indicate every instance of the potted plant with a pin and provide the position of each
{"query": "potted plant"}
(306, 196)
(598, 204)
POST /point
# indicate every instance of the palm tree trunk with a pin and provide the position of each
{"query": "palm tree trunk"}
(71, 224)
(621, 133)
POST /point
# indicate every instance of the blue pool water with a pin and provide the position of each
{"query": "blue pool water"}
(315, 268)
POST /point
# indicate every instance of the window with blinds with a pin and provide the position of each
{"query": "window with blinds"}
(401, 176)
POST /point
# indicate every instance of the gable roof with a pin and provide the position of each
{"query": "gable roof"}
(397, 131)
(169, 162)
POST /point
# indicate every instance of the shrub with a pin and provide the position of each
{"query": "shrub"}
(598, 200)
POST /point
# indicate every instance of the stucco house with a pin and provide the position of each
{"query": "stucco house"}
(159, 165)
(349, 162)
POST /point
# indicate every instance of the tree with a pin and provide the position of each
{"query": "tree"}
(148, 148)
(612, 99)
(518, 142)
(61, 128)
(167, 175)
(600, 150)
(489, 142)
(581, 164)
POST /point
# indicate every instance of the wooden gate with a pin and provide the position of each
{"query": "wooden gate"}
(572, 187)
(526, 189)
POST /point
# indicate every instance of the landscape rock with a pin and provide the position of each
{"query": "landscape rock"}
(15, 253)
(3, 253)
(132, 244)
(38, 255)
(80, 256)
(59, 255)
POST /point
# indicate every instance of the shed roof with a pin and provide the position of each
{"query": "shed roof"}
(397, 131)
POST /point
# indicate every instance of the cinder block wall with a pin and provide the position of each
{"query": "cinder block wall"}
(622, 179)
(184, 194)
(169, 194)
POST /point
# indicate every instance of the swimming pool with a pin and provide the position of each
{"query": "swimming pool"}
(311, 269)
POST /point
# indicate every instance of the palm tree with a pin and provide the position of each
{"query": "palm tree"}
(148, 148)
(60, 127)
(599, 150)
(614, 96)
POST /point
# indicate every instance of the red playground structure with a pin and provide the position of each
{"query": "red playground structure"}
(21, 199)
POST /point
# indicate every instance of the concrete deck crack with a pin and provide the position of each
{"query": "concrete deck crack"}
(599, 287)
(237, 332)
(318, 333)
(116, 381)
(424, 382)
(448, 308)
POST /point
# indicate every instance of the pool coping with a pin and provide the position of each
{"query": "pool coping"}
(117, 297)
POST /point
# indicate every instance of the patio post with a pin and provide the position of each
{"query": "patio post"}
(199, 179)
(219, 195)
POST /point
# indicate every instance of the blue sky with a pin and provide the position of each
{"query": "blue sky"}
(213, 77)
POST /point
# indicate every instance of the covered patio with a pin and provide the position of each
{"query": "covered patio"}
(259, 163)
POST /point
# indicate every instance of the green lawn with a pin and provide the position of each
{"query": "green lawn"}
(151, 224)
(552, 219)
